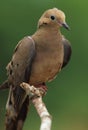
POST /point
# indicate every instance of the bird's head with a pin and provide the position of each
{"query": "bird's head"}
(53, 17)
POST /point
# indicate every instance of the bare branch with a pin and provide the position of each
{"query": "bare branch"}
(30, 90)
(46, 119)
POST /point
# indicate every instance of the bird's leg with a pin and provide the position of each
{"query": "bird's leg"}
(42, 88)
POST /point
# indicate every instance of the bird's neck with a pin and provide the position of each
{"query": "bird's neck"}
(47, 34)
(51, 30)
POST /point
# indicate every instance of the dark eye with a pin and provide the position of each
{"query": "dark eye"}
(52, 17)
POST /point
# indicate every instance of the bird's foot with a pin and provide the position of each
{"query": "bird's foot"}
(31, 90)
(42, 88)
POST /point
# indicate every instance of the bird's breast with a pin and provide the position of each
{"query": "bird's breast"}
(47, 62)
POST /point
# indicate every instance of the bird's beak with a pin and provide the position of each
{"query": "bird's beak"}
(65, 26)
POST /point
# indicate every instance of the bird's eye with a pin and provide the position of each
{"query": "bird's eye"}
(52, 17)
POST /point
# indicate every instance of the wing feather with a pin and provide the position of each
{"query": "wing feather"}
(19, 68)
(67, 51)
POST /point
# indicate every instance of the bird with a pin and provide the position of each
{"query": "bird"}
(38, 58)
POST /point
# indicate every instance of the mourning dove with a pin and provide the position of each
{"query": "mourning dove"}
(38, 58)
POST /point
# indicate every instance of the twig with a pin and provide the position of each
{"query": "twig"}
(46, 119)
(30, 90)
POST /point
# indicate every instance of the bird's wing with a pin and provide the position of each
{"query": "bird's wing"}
(67, 51)
(19, 68)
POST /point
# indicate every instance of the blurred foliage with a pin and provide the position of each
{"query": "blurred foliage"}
(67, 96)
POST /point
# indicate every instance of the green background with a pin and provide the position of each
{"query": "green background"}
(67, 97)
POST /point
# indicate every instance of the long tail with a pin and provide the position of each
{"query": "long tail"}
(16, 109)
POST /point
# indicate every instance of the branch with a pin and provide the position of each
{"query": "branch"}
(46, 119)
(36, 93)
(30, 90)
